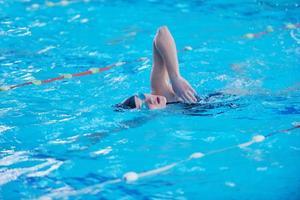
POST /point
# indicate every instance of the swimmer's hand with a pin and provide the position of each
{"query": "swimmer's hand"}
(183, 89)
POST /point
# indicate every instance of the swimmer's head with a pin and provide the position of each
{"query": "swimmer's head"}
(141, 101)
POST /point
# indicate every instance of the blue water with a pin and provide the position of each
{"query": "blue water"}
(64, 139)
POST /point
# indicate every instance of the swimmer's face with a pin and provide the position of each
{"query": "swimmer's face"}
(151, 101)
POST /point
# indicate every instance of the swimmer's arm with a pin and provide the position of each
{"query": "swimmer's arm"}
(166, 47)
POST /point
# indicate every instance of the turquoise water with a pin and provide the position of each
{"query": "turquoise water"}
(64, 139)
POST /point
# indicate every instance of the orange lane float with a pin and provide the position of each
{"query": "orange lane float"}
(270, 29)
(69, 76)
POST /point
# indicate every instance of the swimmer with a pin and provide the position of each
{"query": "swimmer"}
(167, 84)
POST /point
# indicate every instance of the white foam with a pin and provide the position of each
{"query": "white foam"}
(74, 18)
(8, 175)
(16, 157)
(102, 151)
(230, 184)
(4, 128)
(46, 172)
(261, 168)
(46, 49)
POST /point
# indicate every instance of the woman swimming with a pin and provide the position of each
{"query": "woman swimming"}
(167, 84)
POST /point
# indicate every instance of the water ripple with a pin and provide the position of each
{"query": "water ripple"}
(4, 128)
(39, 170)
(21, 31)
(14, 158)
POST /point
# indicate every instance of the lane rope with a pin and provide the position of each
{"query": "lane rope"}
(270, 29)
(69, 76)
(132, 176)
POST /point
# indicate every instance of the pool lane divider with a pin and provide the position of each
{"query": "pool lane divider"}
(270, 29)
(132, 176)
(69, 76)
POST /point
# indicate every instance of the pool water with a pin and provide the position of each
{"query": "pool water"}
(64, 139)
